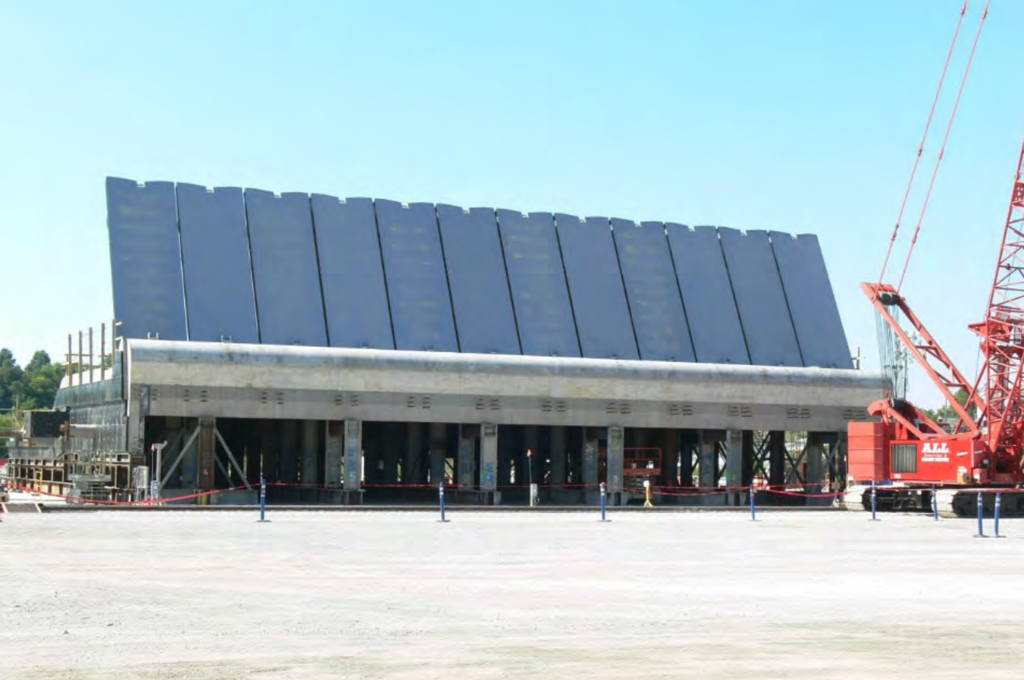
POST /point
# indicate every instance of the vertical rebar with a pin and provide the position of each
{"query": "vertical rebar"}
(80, 353)
(103, 351)
(90, 355)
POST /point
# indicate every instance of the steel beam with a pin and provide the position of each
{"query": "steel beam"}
(231, 457)
(177, 460)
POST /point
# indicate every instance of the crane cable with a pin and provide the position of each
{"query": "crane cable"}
(924, 137)
(938, 161)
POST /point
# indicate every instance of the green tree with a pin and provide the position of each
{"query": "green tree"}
(34, 387)
(10, 376)
(946, 410)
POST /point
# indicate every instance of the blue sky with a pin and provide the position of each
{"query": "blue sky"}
(800, 116)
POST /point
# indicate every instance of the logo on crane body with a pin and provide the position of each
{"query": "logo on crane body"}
(935, 447)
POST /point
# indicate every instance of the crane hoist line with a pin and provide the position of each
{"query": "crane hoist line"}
(913, 459)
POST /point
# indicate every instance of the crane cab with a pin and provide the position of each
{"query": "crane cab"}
(875, 455)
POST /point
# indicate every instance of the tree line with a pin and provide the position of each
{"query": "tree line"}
(25, 389)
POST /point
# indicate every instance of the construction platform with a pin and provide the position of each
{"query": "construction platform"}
(364, 350)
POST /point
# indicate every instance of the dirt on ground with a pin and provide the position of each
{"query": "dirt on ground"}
(311, 596)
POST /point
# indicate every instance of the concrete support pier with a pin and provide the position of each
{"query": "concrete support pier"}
(207, 454)
(615, 459)
(590, 471)
(489, 460)
(308, 448)
(353, 461)
(334, 446)
(467, 456)
(438, 452)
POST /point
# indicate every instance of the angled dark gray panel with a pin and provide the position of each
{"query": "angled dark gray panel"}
(355, 297)
(595, 288)
(653, 292)
(707, 295)
(812, 303)
(760, 298)
(421, 307)
(476, 276)
(215, 260)
(284, 263)
(539, 293)
(145, 259)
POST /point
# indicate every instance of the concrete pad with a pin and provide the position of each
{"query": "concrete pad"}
(317, 595)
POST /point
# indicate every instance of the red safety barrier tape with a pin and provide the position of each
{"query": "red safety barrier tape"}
(803, 494)
(200, 494)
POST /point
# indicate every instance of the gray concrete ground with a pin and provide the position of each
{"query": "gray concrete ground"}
(312, 596)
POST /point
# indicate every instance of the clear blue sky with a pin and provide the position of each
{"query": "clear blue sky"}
(801, 116)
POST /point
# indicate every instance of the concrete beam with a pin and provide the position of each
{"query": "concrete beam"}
(264, 381)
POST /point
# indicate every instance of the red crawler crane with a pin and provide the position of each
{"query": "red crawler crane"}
(907, 448)
(981, 449)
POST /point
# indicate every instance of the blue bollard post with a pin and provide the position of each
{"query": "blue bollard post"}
(995, 528)
(935, 503)
(604, 494)
(874, 502)
(753, 508)
(981, 526)
(440, 491)
(263, 500)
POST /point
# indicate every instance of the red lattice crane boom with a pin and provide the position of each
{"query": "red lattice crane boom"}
(1002, 333)
(985, 444)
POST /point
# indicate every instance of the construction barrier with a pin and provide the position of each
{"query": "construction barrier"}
(440, 495)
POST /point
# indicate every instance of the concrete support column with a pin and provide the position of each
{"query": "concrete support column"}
(814, 458)
(505, 446)
(734, 464)
(748, 458)
(334, 444)
(670, 456)
(269, 445)
(709, 457)
(288, 468)
(842, 470)
(310, 444)
(616, 444)
(353, 455)
(691, 446)
(531, 464)
(394, 446)
(467, 455)
(438, 451)
(558, 456)
(207, 454)
(413, 469)
(489, 459)
(590, 480)
(776, 458)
